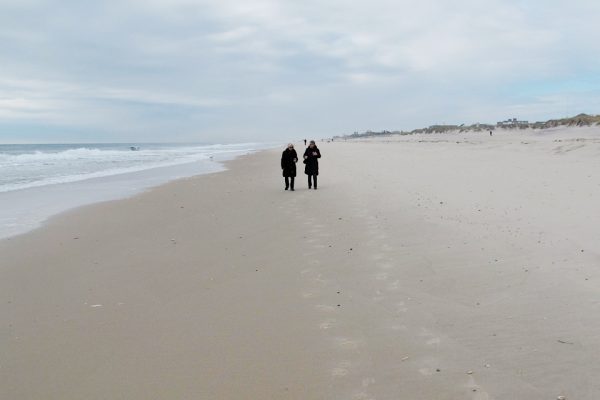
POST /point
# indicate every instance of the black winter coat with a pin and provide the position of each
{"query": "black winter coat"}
(288, 163)
(312, 162)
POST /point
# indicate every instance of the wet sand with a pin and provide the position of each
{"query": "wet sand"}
(435, 267)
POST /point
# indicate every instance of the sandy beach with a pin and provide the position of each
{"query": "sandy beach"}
(437, 267)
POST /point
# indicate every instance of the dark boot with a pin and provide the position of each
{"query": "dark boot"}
(287, 183)
(292, 183)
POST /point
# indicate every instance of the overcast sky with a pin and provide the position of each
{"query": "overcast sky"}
(259, 70)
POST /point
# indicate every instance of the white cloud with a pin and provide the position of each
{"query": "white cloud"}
(64, 103)
(217, 65)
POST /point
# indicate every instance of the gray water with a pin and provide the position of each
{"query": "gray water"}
(38, 181)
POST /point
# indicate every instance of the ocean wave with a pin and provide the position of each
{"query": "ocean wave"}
(66, 155)
(40, 167)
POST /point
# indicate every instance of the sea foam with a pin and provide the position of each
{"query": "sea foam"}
(38, 181)
(28, 166)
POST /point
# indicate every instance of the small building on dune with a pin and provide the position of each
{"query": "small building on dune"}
(512, 123)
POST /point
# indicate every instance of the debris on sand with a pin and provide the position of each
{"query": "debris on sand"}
(564, 342)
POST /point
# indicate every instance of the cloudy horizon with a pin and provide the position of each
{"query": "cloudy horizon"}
(231, 71)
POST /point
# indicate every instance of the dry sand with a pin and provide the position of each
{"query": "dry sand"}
(435, 267)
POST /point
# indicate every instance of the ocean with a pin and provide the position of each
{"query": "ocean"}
(41, 180)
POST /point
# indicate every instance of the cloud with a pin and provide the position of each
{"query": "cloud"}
(228, 70)
(25, 98)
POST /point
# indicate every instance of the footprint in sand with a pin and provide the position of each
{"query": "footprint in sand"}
(325, 308)
(426, 333)
(386, 247)
(382, 276)
(434, 341)
(394, 285)
(339, 372)
(401, 307)
(362, 396)
(378, 257)
(399, 327)
(431, 338)
(346, 343)
(341, 369)
(385, 265)
(327, 324)
(476, 391)
(366, 382)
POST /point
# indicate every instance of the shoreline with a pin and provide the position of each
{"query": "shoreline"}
(27, 209)
(437, 270)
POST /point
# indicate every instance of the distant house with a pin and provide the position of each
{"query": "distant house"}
(512, 123)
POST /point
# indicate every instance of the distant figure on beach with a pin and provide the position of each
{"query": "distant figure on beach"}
(311, 159)
(490, 133)
(289, 158)
(305, 142)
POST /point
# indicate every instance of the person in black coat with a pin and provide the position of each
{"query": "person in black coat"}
(289, 158)
(311, 159)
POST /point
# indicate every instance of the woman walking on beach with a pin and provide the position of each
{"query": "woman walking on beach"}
(311, 159)
(289, 158)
